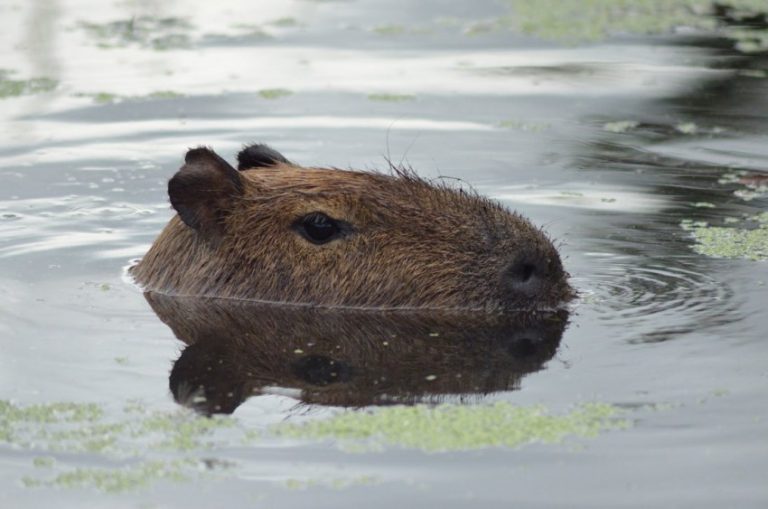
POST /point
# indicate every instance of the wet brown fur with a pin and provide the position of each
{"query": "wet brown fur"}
(415, 244)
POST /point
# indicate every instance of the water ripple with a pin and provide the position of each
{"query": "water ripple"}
(51, 224)
(678, 295)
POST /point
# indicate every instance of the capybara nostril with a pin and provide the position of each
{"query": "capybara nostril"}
(527, 270)
(527, 277)
(523, 272)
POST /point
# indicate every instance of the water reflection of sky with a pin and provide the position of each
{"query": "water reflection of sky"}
(609, 145)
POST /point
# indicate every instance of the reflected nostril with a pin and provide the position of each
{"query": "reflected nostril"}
(523, 271)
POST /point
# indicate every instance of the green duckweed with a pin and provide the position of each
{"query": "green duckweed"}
(729, 241)
(44, 462)
(752, 187)
(14, 88)
(117, 479)
(335, 483)
(164, 94)
(140, 446)
(144, 31)
(456, 427)
(389, 29)
(274, 93)
(391, 97)
(589, 20)
(285, 22)
(109, 98)
(138, 436)
(49, 413)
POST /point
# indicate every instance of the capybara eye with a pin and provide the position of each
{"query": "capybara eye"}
(318, 228)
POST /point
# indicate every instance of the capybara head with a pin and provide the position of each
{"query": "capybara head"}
(277, 232)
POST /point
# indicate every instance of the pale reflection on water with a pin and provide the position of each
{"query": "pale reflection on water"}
(609, 145)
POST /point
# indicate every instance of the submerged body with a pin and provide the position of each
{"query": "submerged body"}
(276, 232)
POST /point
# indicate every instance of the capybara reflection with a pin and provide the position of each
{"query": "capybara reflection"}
(237, 349)
(273, 231)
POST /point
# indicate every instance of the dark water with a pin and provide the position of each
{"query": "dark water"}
(675, 337)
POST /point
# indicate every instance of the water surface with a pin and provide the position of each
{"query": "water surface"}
(614, 145)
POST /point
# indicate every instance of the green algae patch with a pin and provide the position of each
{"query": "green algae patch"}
(43, 462)
(481, 28)
(110, 98)
(115, 480)
(591, 20)
(391, 97)
(143, 446)
(14, 88)
(750, 40)
(11, 414)
(755, 185)
(274, 93)
(285, 22)
(84, 427)
(189, 433)
(143, 31)
(164, 94)
(389, 29)
(750, 242)
(333, 483)
(103, 97)
(456, 427)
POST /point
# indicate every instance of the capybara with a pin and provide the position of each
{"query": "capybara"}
(273, 231)
(345, 357)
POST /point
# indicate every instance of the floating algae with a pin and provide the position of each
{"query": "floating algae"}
(285, 22)
(144, 31)
(456, 427)
(133, 443)
(44, 462)
(391, 97)
(389, 29)
(755, 184)
(334, 483)
(117, 479)
(590, 20)
(14, 88)
(140, 447)
(731, 241)
(274, 93)
(109, 98)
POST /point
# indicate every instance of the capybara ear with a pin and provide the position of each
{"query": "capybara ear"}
(203, 190)
(259, 155)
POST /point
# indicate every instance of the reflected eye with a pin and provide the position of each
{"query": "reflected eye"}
(318, 228)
